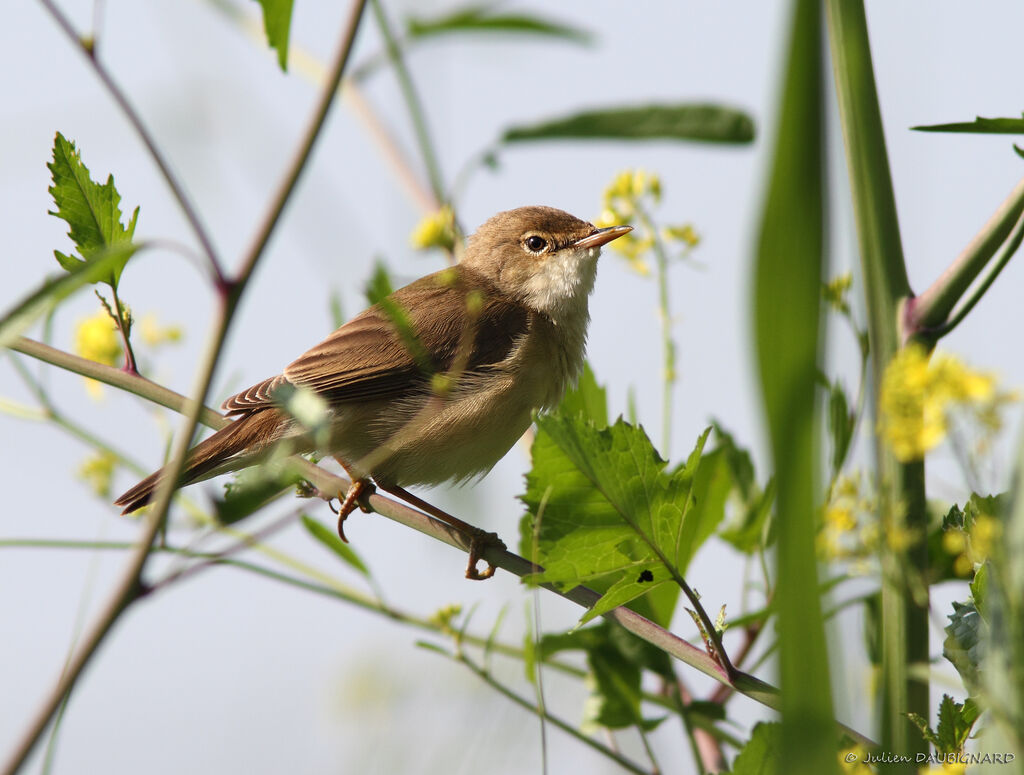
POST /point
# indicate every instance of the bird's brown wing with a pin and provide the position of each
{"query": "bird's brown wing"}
(453, 318)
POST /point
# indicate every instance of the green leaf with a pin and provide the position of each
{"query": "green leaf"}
(988, 126)
(90, 209)
(705, 122)
(588, 400)
(788, 271)
(616, 659)
(251, 489)
(746, 532)
(965, 640)
(336, 308)
(955, 723)
(480, 18)
(979, 589)
(277, 22)
(379, 286)
(615, 700)
(608, 510)
(841, 422)
(1018, 150)
(330, 539)
(762, 753)
(42, 301)
(926, 731)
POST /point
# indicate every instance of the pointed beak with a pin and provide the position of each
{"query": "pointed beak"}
(600, 237)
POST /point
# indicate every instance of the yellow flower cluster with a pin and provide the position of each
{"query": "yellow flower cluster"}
(96, 338)
(445, 618)
(918, 393)
(97, 471)
(837, 291)
(155, 335)
(972, 547)
(436, 230)
(627, 197)
(845, 532)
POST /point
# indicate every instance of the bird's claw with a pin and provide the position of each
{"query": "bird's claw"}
(479, 543)
(356, 496)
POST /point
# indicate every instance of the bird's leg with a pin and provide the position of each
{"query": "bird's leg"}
(354, 496)
(479, 540)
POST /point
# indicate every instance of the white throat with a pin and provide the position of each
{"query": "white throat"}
(561, 287)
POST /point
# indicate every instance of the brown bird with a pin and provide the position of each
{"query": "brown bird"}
(436, 382)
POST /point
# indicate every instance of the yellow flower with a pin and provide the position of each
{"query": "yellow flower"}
(97, 471)
(845, 521)
(837, 290)
(627, 188)
(974, 546)
(155, 335)
(917, 395)
(851, 761)
(436, 230)
(685, 234)
(96, 339)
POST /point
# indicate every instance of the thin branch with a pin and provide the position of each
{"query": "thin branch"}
(524, 703)
(305, 64)
(131, 383)
(931, 309)
(130, 587)
(191, 215)
(1012, 245)
(121, 319)
(327, 93)
(327, 482)
(412, 101)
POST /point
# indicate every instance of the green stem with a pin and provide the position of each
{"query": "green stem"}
(327, 482)
(901, 486)
(412, 101)
(122, 326)
(932, 335)
(931, 309)
(50, 413)
(668, 344)
(129, 112)
(130, 587)
(131, 383)
(526, 704)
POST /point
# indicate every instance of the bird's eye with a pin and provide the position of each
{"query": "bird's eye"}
(536, 244)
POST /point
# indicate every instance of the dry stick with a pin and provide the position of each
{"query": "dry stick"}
(327, 482)
(140, 129)
(130, 586)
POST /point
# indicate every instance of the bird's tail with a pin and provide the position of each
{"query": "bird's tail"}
(250, 434)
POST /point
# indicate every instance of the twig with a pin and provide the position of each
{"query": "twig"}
(1012, 244)
(412, 101)
(325, 481)
(327, 93)
(130, 586)
(136, 121)
(131, 383)
(931, 309)
(524, 703)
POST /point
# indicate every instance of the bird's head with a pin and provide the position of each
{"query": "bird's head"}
(543, 257)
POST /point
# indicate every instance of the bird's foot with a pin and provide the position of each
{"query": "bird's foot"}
(355, 496)
(479, 542)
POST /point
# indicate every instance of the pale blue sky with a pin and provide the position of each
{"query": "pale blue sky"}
(229, 673)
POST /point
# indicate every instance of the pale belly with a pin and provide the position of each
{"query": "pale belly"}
(418, 441)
